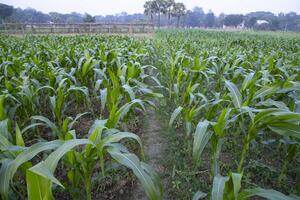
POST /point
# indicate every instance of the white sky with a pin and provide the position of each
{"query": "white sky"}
(103, 7)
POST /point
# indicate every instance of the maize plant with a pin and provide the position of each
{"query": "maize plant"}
(67, 105)
(233, 89)
(49, 84)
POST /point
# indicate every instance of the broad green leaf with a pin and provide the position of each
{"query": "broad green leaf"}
(233, 186)
(2, 108)
(201, 137)
(235, 94)
(103, 97)
(268, 194)
(199, 195)
(41, 175)
(247, 81)
(48, 123)
(267, 90)
(117, 137)
(78, 116)
(38, 188)
(19, 138)
(271, 103)
(52, 160)
(130, 92)
(114, 118)
(218, 187)
(7, 172)
(286, 129)
(4, 143)
(175, 114)
(4, 129)
(222, 122)
(42, 170)
(145, 177)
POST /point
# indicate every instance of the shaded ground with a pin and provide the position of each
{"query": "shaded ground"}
(153, 144)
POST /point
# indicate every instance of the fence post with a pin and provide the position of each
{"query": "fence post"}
(22, 25)
(5, 28)
(130, 29)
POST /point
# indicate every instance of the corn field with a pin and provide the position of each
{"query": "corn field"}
(71, 108)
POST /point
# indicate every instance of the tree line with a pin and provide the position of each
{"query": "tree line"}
(162, 13)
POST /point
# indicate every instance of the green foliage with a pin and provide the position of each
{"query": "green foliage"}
(245, 88)
(58, 82)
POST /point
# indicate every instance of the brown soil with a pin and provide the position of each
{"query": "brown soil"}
(153, 144)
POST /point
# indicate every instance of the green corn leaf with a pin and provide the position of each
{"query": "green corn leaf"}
(4, 129)
(271, 103)
(145, 177)
(130, 92)
(155, 177)
(38, 188)
(199, 195)
(235, 94)
(83, 90)
(233, 186)
(31, 126)
(86, 66)
(175, 114)
(42, 170)
(48, 123)
(52, 160)
(248, 79)
(2, 107)
(268, 194)
(114, 118)
(201, 137)
(286, 129)
(114, 138)
(103, 97)
(218, 187)
(7, 172)
(267, 90)
(4, 142)
(19, 138)
(222, 122)
(41, 175)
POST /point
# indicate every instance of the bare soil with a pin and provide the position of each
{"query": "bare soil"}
(153, 144)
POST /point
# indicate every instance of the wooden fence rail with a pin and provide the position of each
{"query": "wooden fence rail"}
(48, 28)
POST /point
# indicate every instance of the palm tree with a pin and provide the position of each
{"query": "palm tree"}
(169, 6)
(178, 11)
(160, 8)
(149, 9)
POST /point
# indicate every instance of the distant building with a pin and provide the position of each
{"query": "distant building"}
(260, 22)
(239, 26)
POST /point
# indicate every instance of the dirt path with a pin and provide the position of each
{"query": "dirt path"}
(153, 144)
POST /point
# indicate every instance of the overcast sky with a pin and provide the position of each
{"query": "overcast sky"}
(103, 7)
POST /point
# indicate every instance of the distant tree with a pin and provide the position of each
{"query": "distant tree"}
(73, 17)
(178, 11)
(89, 18)
(261, 15)
(209, 19)
(233, 20)
(160, 8)
(195, 17)
(150, 9)
(220, 20)
(56, 17)
(5, 11)
(274, 24)
(169, 6)
(250, 22)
